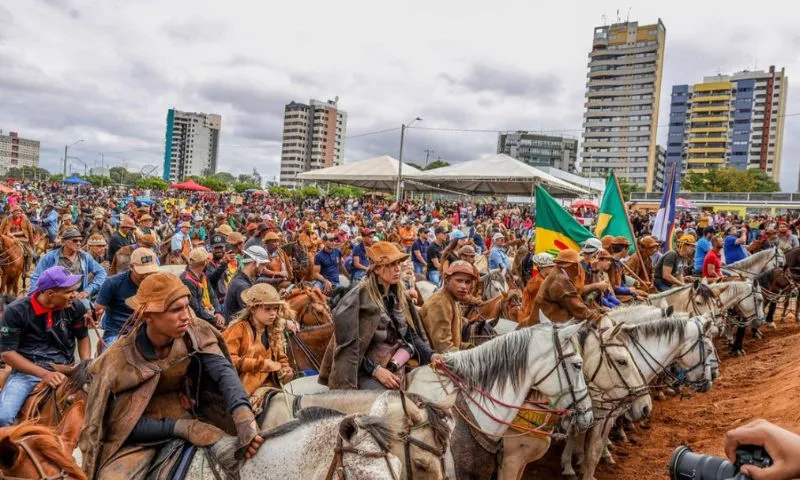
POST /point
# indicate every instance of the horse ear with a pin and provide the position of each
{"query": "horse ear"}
(9, 453)
(543, 318)
(610, 334)
(695, 283)
(348, 428)
(567, 332)
(669, 310)
(708, 324)
(449, 401)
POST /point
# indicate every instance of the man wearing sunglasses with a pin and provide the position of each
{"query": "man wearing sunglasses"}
(76, 261)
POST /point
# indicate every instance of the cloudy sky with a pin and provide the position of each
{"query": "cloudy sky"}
(107, 70)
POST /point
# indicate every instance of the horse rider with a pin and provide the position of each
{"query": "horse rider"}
(76, 261)
(326, 266)
(441, 314)
(96, 247)
(595, 283)
(604, 296)
(616, 273)
(181, 245)
(497, 254)
(121, 261)
(309, 239)
(100, 226)
(375, 329)
(256, 343)
(669, 271)
(278, 270)
(110, 304)
(467, 254)
(146, 227)
(38, 331)
(122, 237)
(147, 388)
(642, 265)
(558, 298)
(18, 227)
(49, 222)
(245, 278)
(218, 265)
(360, 265)
(543, 265)
(203, 300)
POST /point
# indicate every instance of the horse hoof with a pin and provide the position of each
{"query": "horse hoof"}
(772, 325)
(609, 460)
(757, 335)
(737, 353)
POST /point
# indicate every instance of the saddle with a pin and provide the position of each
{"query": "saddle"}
(41, 394)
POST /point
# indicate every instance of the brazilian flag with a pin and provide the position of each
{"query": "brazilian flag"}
(612, 217)
(556, 229)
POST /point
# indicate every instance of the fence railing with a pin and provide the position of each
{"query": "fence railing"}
(712, 197)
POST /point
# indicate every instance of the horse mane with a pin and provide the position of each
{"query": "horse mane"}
(669, 292)
(437, 418)
(47, 445)
(381, 429)
(304, 417)
(746, 263)
(704, 291)
(668, 327)
(501, 359)
(80, 377)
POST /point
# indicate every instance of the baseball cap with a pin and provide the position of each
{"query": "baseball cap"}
(255, 254)
(56, 277)
(218, 240)
(198, 255)
(143, 261)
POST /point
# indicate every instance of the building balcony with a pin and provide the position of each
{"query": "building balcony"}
(707, 150)
(708, 129)
(618, 102)
(710, 98)
(708, 140)
(649, 79)
(716, 119)
(715, 160)
(710, 108)
(621, 71)
(616, 113)
(600, 53)
(625, 60)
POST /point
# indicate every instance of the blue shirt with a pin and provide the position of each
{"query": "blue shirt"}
(498, 259)
(422, 248)
(329, 264)
(733, 252)
(115, 290)
(361, 252)
(702, 248)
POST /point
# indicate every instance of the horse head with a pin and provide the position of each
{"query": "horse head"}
(698, 358)
(36, 452)
(366, 441)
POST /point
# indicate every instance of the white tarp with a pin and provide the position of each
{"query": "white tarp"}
(377, 173)
(497, 175)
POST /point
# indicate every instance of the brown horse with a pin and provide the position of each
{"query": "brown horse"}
(35, 452)
(310, 306)
(64, 407)
(12, 265)
(506, 305)
(306, 347)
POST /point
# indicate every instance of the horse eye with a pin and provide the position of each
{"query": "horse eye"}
(578, 366)
(622, 362)
(420, 465)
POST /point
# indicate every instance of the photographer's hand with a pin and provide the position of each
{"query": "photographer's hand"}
(782, 446)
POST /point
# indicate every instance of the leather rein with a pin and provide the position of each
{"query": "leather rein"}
(23, 444)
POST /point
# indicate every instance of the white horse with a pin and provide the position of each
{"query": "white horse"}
(426, 427)
(354, 446)
(700, 297)
(756, 264)
(494, 283)
(426, 288)
(495, 379)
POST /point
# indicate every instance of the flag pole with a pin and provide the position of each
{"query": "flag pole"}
(633, 234)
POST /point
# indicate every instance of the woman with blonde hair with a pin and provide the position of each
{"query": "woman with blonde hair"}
(255, 342)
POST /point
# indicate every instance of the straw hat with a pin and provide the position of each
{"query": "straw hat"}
(146, 240)
(225, 229)
(272, 236)
(97, 240)
(198, 255)
(235, 238)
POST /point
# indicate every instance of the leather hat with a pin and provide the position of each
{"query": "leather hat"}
(567, 256)
(460, 266)
(384, 253)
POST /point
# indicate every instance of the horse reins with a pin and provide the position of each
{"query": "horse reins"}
(409, 441)
(337, 466)
(23, 443)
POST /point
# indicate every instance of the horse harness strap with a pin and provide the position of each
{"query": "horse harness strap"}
(492, 446)
(337, 466)
(23, 443)
(408, 441)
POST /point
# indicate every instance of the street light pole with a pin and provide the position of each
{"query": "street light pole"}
(400, 160)
(66, 154)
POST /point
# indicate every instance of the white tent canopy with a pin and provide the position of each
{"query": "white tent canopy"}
(497, 175)
(377, 173)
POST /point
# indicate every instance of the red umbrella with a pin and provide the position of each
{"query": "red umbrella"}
(190, 185)
(584, 204)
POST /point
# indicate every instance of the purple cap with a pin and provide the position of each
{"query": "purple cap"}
(56, 277)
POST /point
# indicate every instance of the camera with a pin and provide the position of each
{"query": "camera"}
(687, 465)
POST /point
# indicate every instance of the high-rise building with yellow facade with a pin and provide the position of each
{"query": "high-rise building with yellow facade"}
(622, 96)
(733, 121)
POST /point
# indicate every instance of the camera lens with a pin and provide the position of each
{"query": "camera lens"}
(686, 465)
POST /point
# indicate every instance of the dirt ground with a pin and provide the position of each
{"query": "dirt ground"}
(765, 383)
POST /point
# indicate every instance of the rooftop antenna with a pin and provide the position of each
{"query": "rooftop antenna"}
(605, 20)
(618, 18)
(628, 18)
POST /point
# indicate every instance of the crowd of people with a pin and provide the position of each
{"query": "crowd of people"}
(96, 259)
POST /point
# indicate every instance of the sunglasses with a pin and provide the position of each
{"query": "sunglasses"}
(75, 240)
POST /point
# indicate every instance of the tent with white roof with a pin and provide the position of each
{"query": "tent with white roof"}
(377, 173)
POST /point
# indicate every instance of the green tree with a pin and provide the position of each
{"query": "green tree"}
(246, 178)
(241, 187)
(27, 173)
(436, 164)
(152, 183)
(213, 183)
(729, 180)
(278, 191)
(98, 180)
(626, 189)
(56, 178)
(345, 191)
(225, 177)
(309, 192)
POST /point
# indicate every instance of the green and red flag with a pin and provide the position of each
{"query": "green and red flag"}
(612, 218)
(556, 229)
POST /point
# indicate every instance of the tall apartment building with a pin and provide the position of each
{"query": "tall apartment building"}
(539, 150)
(192, 144)
(661, 169)
(313, 138)
(16, 152)
(729, 121)
(622, 96)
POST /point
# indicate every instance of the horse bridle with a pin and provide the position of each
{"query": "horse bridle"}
(409, 441)
(338, 468)
(774, 258)
(23, 444)
(560, 362)
(634, 392)
(701, 345)
(755, 294)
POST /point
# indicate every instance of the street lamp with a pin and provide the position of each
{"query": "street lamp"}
(85, 167)
(400, 160)
(66, 154)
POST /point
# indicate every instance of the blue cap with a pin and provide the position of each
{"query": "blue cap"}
(56, 277)
(458, 234)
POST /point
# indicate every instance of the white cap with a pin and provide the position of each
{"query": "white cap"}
(497, 235)
(592, 245)
(256, 254)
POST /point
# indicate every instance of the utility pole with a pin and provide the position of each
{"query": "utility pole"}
(428, 153)
(400, 160)
(66, 154)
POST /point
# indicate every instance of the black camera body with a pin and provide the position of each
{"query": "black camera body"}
(687, 465)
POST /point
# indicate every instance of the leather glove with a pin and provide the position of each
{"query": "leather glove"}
(246, 427)
(198, 433)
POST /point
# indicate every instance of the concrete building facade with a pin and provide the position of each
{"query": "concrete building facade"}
(17, 152)
(539, 150)
(622, 99)
(313, 138)
(192, 144)
(729, 121)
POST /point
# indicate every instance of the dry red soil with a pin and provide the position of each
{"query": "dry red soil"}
(765, 383)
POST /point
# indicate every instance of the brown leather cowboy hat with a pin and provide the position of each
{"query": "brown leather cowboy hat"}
(385, 253)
